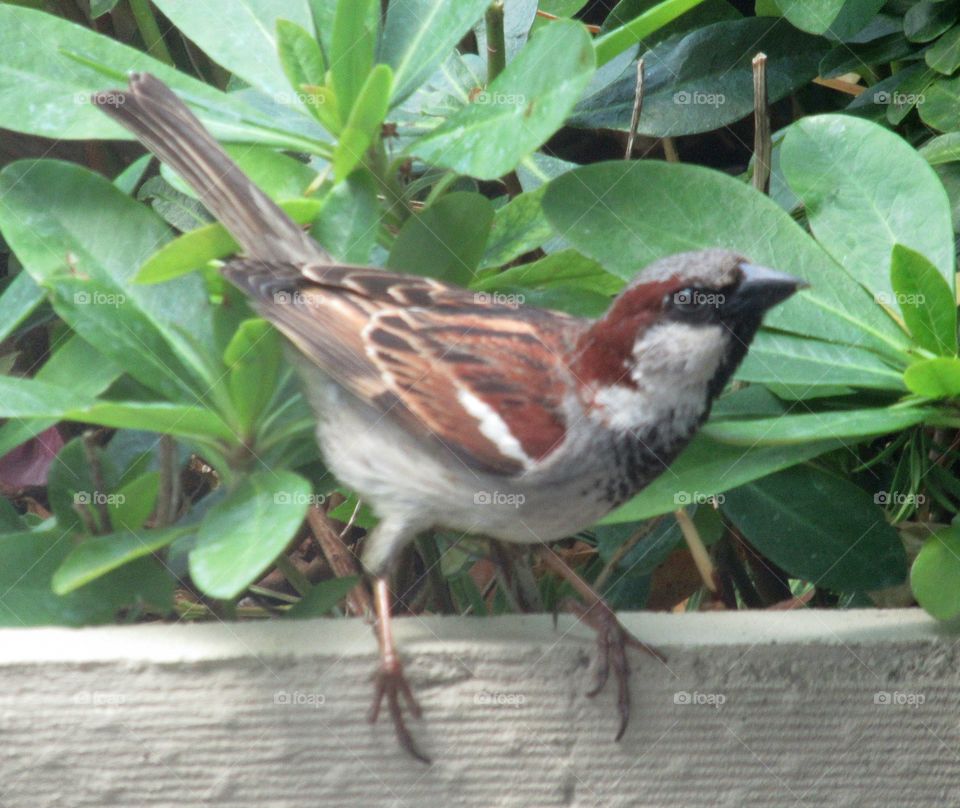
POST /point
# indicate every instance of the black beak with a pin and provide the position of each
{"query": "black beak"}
(761, 288)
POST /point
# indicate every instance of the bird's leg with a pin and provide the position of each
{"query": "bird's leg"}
(612, 637)
(389, 680)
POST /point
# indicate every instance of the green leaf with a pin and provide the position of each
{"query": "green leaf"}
(942, 149)
(322, 598)
(185, 420)
(163, 338)
(351, 53)
(944, 55)
(926, 300)
(363, 126)
(934, 378)
(347, 226)
(833, 425)
(776, 358)
(672, 207)
(928, 19)
(704, 14)
(193, 250)
(99, 555)
(820, 528)
(557, 269)
(519, 110)
(935, 575)
(17, 302)
(245, 41)
(853, 176)
(28, 561)
(47, 57)
(446, 240)
(941, 104)
(838, 19)
(418, 36)
(300, 55)
(518, 227)
(707, 467)
(134, 502)
(30, 398)
(243, 533)
(253, 357)
(640, 28)
(685, 91)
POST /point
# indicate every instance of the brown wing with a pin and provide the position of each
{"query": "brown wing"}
(430, 354)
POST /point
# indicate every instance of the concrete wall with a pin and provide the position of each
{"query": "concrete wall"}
(766, 709)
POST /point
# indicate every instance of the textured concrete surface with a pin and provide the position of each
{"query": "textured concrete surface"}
(765, 709)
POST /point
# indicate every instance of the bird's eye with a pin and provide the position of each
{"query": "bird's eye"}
(694, 303)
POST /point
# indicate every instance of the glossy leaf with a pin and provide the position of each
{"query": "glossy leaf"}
(935, 575)
(944, 55)
(351, 52)
(363, 126)
(640, 28)
(855, 179)
(446, 240)
(838, 19)
(708, 467)
(300, 55)
(518, 227)
(253, 359)
(99, 555)
(519, 110)
(418, 36)
(926, 300)
(685, 92)
(245, 41)
(674, 208)
(820, 528)
(243, 533)
(837, 425)
(934, 378)
(348, 223)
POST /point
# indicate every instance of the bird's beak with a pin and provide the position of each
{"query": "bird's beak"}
(762, 288)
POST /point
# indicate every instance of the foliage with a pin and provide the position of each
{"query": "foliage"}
(385, 136)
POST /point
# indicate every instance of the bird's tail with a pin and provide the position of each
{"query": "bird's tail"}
(162, 122)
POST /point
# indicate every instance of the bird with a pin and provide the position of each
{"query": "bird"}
(446, 408)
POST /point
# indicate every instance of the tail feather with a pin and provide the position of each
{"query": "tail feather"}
(173, 133)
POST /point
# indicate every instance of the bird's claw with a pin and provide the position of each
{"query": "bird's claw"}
(612, 642)
(391, 684)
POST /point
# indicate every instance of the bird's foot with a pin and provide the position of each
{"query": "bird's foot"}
(391, 684)
(612, 642)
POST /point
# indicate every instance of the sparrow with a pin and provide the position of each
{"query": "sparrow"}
(443, 408)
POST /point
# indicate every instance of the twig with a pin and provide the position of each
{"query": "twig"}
(700, 555)
(670, 153)
(99, 494)
(762, 147)
(637, 106)
(496, 41)
(641, 533)
(340, 559)
(168, 502)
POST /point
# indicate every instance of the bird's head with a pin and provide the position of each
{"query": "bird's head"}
(672, 338)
